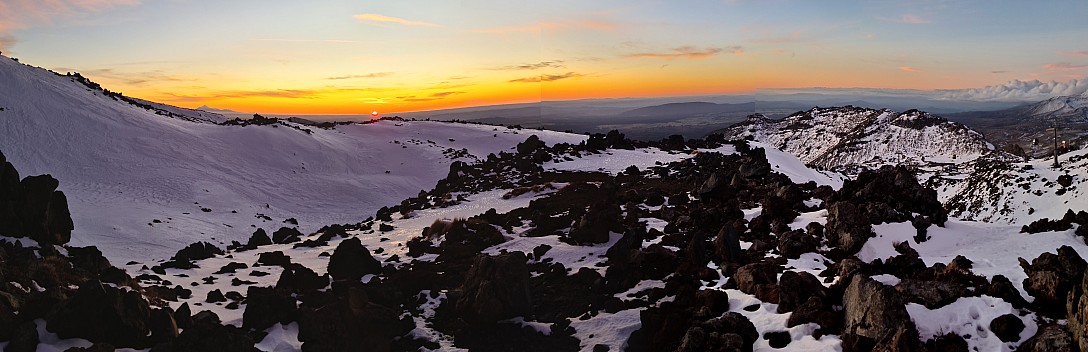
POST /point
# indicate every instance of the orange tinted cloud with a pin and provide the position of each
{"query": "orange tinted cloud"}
(909, 69)
(374, 17)
(689, 52)
(1063, 66)
(546, 78)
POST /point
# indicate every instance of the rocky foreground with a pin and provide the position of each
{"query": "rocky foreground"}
(712, 252)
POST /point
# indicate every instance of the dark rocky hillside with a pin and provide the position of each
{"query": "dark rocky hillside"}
(690, 285)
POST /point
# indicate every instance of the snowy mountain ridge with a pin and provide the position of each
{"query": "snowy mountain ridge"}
(850, 138)
(146, 181)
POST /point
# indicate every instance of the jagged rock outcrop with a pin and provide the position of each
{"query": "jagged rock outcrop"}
(875, 315)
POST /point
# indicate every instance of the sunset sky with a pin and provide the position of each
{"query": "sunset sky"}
(352, 57)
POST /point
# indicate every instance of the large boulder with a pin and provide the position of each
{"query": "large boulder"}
(350, 261)
(848, 228)
(758, 279)
(1007, 327)
(495, 288)
(43, 211)
(794, 289)
(103, 313)
(874, 313)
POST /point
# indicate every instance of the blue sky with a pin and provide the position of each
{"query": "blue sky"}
(337, 56)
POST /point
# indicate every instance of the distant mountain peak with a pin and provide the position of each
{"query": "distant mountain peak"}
(851, 138)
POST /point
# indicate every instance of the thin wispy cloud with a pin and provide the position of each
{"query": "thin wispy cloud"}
(374, 17)
(689, 52)
(1063, 66)
(334, 41)
(600, 25)
(1074, 53)
(532, 66)
(906, 19)
(912, 19)
(909, 69)
(368, 75)
(546, 78)
(22, 14)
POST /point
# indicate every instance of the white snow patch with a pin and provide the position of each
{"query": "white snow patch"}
(970, 316)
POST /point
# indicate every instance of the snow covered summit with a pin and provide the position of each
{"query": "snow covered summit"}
(853, 137)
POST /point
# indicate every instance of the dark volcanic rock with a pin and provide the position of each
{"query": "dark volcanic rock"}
(24, 338)
(1076, 306)
(932, 294)
(298, 278)
(1051, 277)
(162, 325)
(207, 334)
(103, 314)
(758, 279)
(349, 321)
(847, 227)
(1050, 338)
(197, 251)
(873, 312)
(794, 243)
(259, 238)
(495, 288)
(351, 261)
(1007, 327)
(44, 210)
(276, 258)
(794, 289)
(286, 235)
(594, 227)
(266, 306)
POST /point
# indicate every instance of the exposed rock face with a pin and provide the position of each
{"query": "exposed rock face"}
(1051, 277)
(495, 288)
(1050, 338)
(874, 313)
(351, 261)
(33, 207)
(1076, 306)
(105, 314)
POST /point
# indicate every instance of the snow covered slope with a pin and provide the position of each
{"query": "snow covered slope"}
(851, 137)
(143, 184)
(1023, 192)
